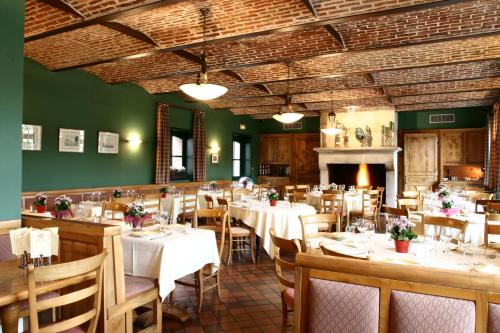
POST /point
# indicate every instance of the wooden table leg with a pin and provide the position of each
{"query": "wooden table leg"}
(9, 316)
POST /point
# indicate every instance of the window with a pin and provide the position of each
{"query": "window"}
(241, 156)
(181, 167)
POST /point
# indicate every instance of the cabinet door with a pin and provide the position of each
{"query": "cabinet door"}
(475, 147)
(452, 148)
(267, 153)
(305, 168)
(283, 149)
(420, 159)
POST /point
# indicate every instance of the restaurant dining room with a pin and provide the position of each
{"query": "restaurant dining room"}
(323, 166)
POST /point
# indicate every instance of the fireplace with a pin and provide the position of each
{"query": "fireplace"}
(357, 174)
(385, 156)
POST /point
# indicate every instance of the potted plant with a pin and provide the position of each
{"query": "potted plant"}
(443, 193)
(135, 214)
(448, 207)
(117, 193)
(273, 197)
(163, 192)
(62, 206)
(40, 203)
(402, 234)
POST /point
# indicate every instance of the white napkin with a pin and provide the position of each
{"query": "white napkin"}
(40, 243)
(19, 240)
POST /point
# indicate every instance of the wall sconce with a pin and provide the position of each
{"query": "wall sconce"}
(243, 127)
(214, 150)
(134, 141)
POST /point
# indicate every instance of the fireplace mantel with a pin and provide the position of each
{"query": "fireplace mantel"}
(377, 155)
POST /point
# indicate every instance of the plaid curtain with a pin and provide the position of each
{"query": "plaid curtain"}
(199, 147)
(163, 146)
(492, 167)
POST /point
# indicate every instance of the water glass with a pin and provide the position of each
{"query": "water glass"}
(388, 230)
(187, 226)
(370, 232)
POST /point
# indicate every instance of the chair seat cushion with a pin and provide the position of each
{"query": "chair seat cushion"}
(239, 231)
(135, 285)
(289, 296)
(25, 304)
(77, 329)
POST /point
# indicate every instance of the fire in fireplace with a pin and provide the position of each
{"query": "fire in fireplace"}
(357, 174)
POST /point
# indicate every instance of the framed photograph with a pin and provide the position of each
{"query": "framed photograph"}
(108, 143)
(32, 137)
(71, 140)
(215, 158)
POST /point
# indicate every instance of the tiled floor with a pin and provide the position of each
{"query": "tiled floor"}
(250, 302)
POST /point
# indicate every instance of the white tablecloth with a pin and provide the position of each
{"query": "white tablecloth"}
(420, 253)
(170, 258)
(352, 201)
(283, 219)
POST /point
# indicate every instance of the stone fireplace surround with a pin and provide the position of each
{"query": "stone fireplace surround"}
(369, 155)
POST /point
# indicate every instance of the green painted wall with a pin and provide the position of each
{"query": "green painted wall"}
(271, 126)
(76, 99)
(464, 118)
(11, 106)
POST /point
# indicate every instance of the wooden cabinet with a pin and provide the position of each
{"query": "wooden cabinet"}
(420, 159)
(452, 148)
(305, 167)
(474, 147)
(275, 149)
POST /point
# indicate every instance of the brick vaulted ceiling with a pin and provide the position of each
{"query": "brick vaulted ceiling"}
(400, 54)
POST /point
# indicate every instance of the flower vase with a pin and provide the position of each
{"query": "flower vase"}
(137, 223)
(41, 209)
(402, 246)
(62, 214)
(164, 195)
(450, 211)
(273, 203)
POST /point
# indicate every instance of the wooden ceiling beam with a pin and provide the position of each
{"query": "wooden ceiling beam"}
(337, 36)
(131, 10)
(269, 32)
(124, 29)
(61, 5)
(310, 6)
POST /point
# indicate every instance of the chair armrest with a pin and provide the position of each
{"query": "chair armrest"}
(133, 303)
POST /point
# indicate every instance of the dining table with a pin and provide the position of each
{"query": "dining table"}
(262, 217)
(422, 252)
(353, 201)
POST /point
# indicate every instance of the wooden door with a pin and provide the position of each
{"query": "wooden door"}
(267, 144)
(452, 148)
(283, 149)
(420, 159)
(305, 167)
(475, 147)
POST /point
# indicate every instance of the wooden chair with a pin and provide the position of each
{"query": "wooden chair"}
(302, 188)
(240, 240)
(491, 228)
(411, 204)
(483, 204)
(227, 193)
(209, 200)
(152, 202)
(66, 271)
(114, 208)
(481, 196)
(328, 191)
(223, 203)
(189, 204)
(286, 286)
(441, 223)
(314, 226)
(124, 200)
(390, 212)
(372, 202)
(363, 188)
(299, 196)
(219, 222)
(289, 189)
(493, 207)
(329, 252)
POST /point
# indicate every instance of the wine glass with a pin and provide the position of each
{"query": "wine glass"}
(370, 232)
(388, 229)
(362, 226)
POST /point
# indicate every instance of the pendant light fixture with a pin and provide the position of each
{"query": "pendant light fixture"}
(329, 128)
(286, 114)
(202, 90)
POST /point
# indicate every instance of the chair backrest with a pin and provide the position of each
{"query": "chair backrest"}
(312, 224)
(395, 212)
(38, 277)
(217, 221)
(441, 223)
(493, 207)
(411, 195)
(227, 193)
(290, 247)
(491, 226)
(381, 297)
(223, 203)
(329, 252)
(189, 201)
(302, 188)
(331, 204)
(481, 196)
(113, 207)
(209, 200)
(124, 200)
(411, 204)
(299, 196)
(328, 191)
(480, 203)
(151, 202)
(289, 188)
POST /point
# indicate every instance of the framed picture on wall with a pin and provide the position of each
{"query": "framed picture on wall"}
(108, 143)
(32, 137)
(215, 158)
(71, 140)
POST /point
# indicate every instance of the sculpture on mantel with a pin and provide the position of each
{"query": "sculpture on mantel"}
(365, 138)
(388, 135)
(345, 133)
